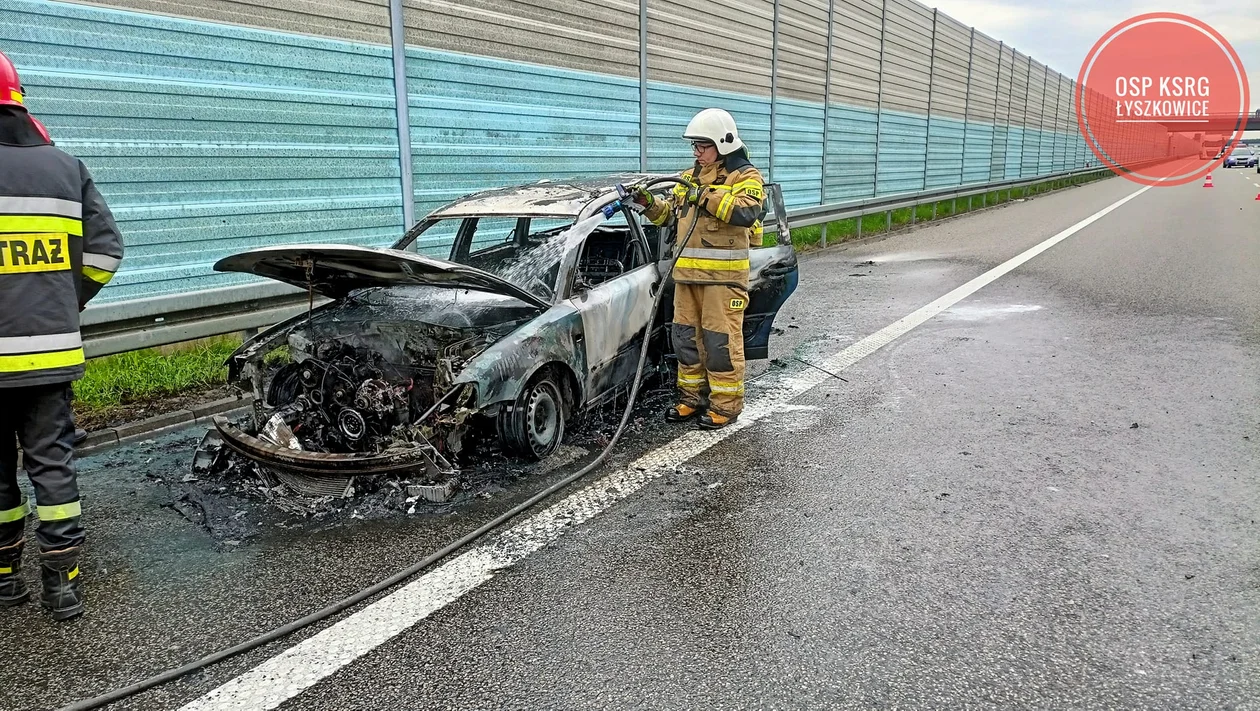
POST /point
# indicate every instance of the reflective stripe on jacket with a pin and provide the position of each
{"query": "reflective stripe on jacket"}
(58, 246)
(730, 209)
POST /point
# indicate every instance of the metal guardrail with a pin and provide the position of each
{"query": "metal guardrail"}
(144, 323)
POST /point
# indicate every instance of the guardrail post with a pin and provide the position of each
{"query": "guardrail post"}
(398, 48)
(822, 187)
(971, 53)
(1041, 135)
(879, 94)
(927, 135)
(774, 83)
(1027, 93)
(997, 88)
(1054, 141)
(643, 86)
(1010, 99)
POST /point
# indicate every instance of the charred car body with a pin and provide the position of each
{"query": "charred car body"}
(534, 314)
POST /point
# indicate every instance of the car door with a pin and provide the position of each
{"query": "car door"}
(615, 312)
(772, 277)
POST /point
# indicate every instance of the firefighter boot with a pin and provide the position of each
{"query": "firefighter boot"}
(61, 583)
(681, 413)
(12, 586)
(713, 421)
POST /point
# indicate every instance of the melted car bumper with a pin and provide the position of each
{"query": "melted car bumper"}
(419, 459)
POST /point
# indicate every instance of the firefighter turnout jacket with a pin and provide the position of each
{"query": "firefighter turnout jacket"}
(730, 208)
(58, 246)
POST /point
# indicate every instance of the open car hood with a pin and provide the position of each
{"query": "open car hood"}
(335, 270)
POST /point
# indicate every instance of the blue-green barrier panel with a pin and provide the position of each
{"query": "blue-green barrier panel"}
(1060, 151)
(851, 150)
(997, 161)
(1046, 164)
(209, 139)
(1045, 153)
(798, 150)
(978, 152)
(945, 152)
(1015, 137)
(479, 123)
(1031, 164)
(903, 150)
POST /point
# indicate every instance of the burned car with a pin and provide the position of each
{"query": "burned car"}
(533, 314)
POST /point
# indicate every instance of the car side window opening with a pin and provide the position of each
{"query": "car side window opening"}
(436, 240)
(522, 250)
(614, 248)
(529, 251)
(491, 243)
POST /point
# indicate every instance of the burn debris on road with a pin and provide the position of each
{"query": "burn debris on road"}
(236, 498)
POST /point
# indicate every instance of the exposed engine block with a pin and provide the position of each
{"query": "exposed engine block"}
(341, 399)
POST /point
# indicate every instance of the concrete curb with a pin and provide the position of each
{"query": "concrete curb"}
(101, 440)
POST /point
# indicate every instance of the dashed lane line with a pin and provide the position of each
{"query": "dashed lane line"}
(296, 669)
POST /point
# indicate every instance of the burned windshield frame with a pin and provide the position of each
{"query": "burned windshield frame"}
(412, 236)
(492, 244)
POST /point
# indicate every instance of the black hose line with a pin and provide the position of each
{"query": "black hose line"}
(323, 614)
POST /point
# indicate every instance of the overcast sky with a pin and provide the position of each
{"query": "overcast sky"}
(1060, 32)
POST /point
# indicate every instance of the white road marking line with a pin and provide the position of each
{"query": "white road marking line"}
(296, 669)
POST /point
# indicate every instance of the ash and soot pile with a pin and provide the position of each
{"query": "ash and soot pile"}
(235, 499)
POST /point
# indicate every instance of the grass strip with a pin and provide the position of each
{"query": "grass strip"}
(141, 376)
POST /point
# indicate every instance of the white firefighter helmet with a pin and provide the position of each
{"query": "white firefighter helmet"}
(717, 127)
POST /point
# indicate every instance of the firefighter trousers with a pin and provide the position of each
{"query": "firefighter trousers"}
(708, 336)
(39, 417)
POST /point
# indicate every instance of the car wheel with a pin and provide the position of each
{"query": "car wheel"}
(533, 426)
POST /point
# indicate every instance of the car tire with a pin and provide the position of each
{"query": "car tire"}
(533, 425)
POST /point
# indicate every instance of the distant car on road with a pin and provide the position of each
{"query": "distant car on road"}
(1241, 157)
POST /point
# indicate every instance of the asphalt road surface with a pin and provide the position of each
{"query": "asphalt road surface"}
(1028, 479)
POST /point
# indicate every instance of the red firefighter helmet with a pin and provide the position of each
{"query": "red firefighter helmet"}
(10, 85)
(43, 130)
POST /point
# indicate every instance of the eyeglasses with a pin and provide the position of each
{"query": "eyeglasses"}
(700, 146)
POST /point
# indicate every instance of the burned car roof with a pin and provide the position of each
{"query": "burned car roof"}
(335, 270)
(546, 198)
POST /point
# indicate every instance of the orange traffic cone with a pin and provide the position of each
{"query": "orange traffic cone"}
(1208, 182)
(1258, 197)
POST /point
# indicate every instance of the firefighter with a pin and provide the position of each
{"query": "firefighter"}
(58, 247)
(80, 435)
(723, 198)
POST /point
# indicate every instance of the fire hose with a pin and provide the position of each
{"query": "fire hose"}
(378, 587)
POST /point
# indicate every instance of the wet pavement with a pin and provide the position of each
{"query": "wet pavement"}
(1045, 496)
